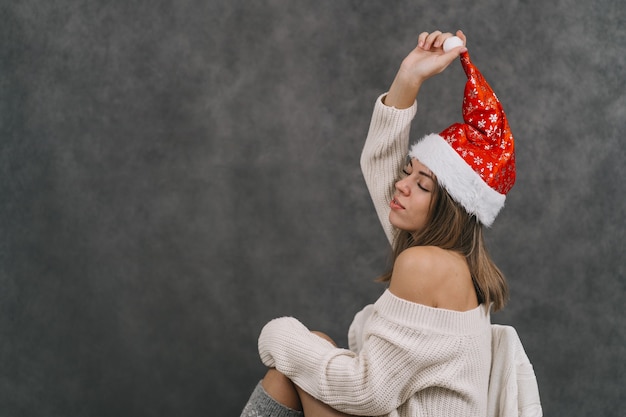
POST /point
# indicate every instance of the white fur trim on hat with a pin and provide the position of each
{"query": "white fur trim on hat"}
(463, 184)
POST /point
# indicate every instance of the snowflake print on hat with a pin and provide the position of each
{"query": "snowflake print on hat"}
(491, 131)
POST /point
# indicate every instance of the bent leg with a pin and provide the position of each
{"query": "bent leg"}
(277, 396)
(280, 399)
(280, 388)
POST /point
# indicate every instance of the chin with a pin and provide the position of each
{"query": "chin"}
(400, 225)
(404, 228)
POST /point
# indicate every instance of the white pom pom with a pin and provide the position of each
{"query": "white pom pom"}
(452, 43)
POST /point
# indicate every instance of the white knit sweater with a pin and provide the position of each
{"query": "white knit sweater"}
(405, 359)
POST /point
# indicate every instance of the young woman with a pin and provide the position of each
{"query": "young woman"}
(424, 347)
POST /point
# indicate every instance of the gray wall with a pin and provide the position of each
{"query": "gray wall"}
(177, 173)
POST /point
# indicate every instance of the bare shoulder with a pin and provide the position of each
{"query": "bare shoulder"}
(434, 277)
(424, 259)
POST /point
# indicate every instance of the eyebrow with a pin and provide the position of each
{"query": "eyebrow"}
(426, 174)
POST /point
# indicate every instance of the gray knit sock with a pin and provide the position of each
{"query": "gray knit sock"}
(261, 404)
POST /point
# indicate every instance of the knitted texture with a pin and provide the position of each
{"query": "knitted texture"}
(414, 360)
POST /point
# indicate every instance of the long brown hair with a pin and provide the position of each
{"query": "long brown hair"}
(449, 226)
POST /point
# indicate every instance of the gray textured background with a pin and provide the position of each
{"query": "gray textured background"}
(177, 173)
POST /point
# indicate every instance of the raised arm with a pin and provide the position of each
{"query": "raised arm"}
(387, 141)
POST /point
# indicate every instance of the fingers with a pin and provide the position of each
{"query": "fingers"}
(461, 35)
(426, 40)
(435, 40)
(448, 57)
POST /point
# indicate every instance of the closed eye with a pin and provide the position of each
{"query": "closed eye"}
(408, 168)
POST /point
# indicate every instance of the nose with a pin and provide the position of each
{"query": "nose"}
(403, 186)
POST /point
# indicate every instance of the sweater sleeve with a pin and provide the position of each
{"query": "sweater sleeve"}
(383, 155)
(395, 362)
(513, 389)
(355, 332)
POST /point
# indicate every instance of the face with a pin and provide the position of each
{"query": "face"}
(412, 197)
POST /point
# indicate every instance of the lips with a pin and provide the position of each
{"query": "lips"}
(394, 204)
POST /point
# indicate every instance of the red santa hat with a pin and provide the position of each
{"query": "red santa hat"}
(474, 161)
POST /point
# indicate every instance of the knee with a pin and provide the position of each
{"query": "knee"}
(325, 337)
(281, 389)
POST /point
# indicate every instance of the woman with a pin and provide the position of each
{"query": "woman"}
(424, 347)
